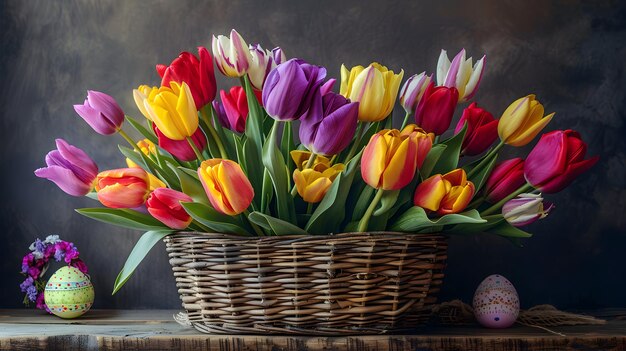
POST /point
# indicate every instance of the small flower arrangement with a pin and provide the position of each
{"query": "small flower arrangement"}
(36, 263)
(282, 153)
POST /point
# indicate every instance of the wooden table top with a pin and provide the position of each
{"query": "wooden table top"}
(156, 330)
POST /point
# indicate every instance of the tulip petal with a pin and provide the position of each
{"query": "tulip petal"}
(443, 66)
(373, 161)
(548, 158)
(474, 80)
(401, 167)
(430, 192)
(65, 179)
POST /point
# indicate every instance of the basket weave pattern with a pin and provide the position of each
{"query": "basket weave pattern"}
(336, 284)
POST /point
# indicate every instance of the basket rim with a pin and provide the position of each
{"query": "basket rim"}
(374, 235)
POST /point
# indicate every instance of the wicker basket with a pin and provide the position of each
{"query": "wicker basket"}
(336, 284)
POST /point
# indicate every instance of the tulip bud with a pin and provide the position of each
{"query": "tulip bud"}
(291, 88)
(301, 158)
(391, 158)
(435, 109)
(460, 74)
(445, 194)
(505, 178)
(181, 148)
(164, 205)
(526, 209)
(413, 90)
(122, 188)
(522, 121)
(556, 160)
(262, 63)
(232, 56)
(70, 168)
(226, 186)
(482, 130)
(332, 128)
(375, 88)
(101, 112)
(233, 112)
(173, 111)
(198, 74)
(313, 183)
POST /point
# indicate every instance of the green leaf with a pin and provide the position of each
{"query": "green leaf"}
(214, 220)
(480, 178)
(387, 201)
(142, 130)
(254, 122)
(449, 159)
(214, 150)
(266, 193)
(286, 145)
(191, 185)
(505, 229)
(331, 211)
(365, 198)
(139, 252)
(275, 225)
(122, 217)
(431, 160)
(275, 164)
(415, 220)
(254, 170)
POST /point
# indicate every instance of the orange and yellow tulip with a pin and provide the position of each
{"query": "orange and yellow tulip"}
(391, 157)
(445, 194)
(313, 183)
(375, 88)
(173, 110)
(226, 186)
(122, 188)
(522, 121)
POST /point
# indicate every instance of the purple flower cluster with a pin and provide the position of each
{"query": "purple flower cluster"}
(35, 264)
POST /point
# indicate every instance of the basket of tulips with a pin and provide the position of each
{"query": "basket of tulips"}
(289, 208)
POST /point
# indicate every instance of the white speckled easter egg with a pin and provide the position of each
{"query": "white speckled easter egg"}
(69, 293)
(496, 303)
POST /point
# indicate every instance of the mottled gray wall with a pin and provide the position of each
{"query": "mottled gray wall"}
(571, 53)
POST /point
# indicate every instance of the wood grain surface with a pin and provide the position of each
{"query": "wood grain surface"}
(156, 330)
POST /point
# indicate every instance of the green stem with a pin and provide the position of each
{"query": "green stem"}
(294, 190)
(524, 188)
(358, 134)
(436, 141)
(368, 213)
(128, 138)
(212, 131)
(195, 149)
(485, 160)
(406, 120)
(257, 230)
(309, 208)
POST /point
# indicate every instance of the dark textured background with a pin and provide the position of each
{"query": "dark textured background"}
(571, 53)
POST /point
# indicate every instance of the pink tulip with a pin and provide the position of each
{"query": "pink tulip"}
(164, 205)
(505, 178)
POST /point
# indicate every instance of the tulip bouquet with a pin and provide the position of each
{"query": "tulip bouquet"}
(282, 153)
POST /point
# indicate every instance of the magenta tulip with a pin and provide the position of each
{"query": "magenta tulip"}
(482, 130)
(556, 160)
(70, 168)
(526, 209)
(101, 112)
(435, 109)
(505, 178)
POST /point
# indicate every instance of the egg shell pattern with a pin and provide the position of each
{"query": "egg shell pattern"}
(69, 293)
(496, 303)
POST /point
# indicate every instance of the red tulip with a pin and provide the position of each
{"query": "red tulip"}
(482, 130)
(556, 160)
(505, 178)
(164, 205)
(198, 74)
(234, 113)
(181, 148)
(435, 109)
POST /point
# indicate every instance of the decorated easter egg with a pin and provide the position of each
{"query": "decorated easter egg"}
(69, 293)
(496, 303)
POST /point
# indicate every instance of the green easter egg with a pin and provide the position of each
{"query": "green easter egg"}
(69, 293)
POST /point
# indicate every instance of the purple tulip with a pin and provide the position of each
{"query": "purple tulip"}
(70, 168)
(329, 127)
(290, 88)
(101, 112)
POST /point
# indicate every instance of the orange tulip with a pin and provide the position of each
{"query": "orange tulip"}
(391, 157)
(226, 186)
(445, 194)
(122, 188)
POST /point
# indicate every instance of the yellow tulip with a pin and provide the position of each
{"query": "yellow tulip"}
(226, 186)
(301, 158)
(173, 110)
(522, 121)
(141, 94)
(313, 183)
(374, 87)
(148, 148)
